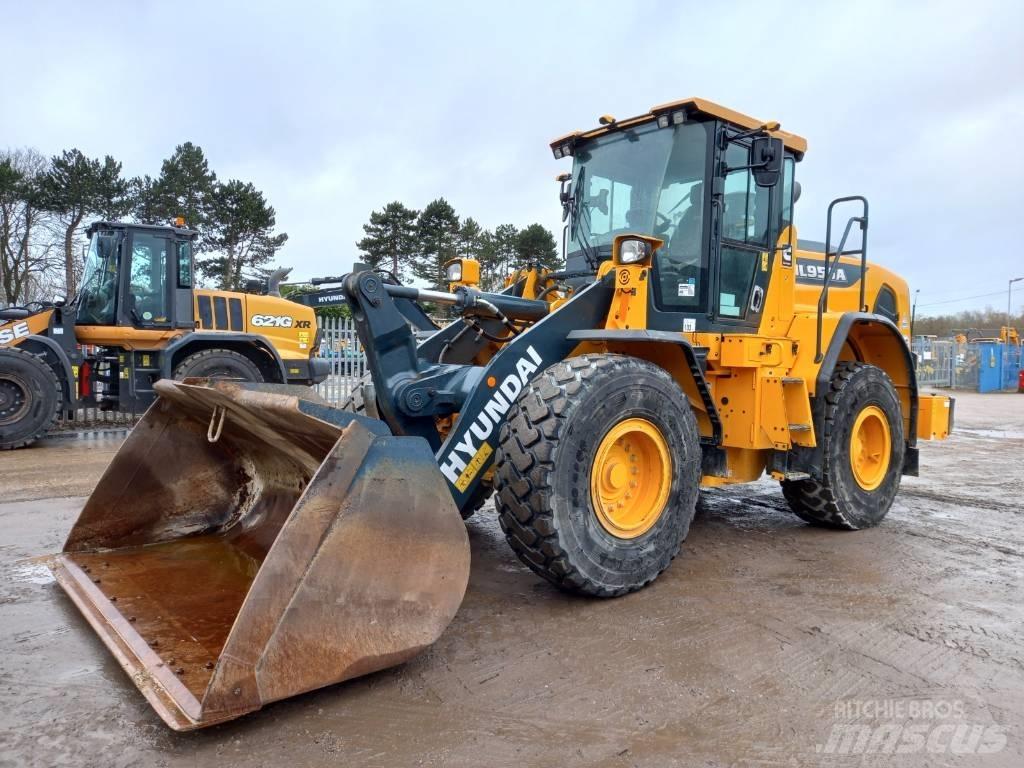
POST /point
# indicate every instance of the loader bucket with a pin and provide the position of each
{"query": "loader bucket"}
(247, 544)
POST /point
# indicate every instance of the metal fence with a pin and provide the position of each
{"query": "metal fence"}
(986, 366)
(340, 345)
(94, 417)
(936, 362)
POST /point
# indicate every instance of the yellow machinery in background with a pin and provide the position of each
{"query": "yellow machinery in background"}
(136, 319)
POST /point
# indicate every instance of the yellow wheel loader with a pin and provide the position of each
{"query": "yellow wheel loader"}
(138, 318)
(249, 543)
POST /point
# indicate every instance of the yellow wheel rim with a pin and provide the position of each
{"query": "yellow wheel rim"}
(870, 447)
(631, 478)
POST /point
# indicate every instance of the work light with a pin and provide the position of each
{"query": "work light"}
(454, 272)
(632, 251)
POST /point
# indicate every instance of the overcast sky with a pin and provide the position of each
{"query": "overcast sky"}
(334, 109)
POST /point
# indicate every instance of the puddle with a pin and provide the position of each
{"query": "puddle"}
(996, 434)
(103, 433)
(30, 573)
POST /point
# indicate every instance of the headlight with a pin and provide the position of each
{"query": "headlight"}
(632, 251)
(454, 272)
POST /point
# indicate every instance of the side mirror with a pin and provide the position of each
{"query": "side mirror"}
(766, 155)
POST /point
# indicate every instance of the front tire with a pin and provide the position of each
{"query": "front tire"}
(30, 398)
(597, 471)
(863, 447)
(218, 364)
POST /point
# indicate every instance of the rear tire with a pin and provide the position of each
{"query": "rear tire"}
(218, 364)
(30, 398)
(555, 436)
(839, 499)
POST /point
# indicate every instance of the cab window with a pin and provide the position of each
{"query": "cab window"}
(745, 220)
(885, 304)
(747, 205)
(788, 168)
(184, 264)
(147, 289)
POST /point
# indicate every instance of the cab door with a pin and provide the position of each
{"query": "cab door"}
(146, 292)
(744, 214)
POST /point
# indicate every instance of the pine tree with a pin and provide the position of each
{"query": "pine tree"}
(391, 239)
(185, 187)
(75, 187)
(536, 245)
(241, 236)
(438, 233)
(504, 253)
(470, 239)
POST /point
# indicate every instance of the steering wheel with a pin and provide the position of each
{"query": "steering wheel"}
(662, 223)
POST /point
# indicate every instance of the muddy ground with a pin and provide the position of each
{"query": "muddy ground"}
(763, 644)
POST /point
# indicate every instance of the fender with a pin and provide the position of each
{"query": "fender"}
(221, 339)
(36, 343)
(714, 458)
(810, 459)
(695, 359)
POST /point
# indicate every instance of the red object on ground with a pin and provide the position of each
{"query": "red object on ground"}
(1020, 380)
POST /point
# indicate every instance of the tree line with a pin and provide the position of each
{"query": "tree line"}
(988, 321)
(415, 244)
(45, 203)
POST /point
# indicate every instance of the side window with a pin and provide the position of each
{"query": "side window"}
(787, 191)
(747, 205)
(147, 290)
(184, 264)
(885, 304)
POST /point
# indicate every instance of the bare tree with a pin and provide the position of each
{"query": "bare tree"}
(27, 253)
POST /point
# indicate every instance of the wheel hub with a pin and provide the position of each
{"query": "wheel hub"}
(15, 399)
(631, 478)
(870, 447)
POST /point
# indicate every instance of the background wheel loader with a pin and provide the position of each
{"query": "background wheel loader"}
(249, 543)
(141, 319)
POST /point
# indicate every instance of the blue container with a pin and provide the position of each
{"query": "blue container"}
(990, 366)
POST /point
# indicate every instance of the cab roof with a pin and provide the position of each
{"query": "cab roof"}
(692, 106)
(124, 225)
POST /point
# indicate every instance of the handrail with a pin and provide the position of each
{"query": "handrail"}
(862, 220)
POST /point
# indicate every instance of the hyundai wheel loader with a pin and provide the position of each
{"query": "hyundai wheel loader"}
(249, 543)
(136, 319)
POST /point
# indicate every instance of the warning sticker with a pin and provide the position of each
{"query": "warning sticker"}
(689, 324)
(474, 466)
(686, 289)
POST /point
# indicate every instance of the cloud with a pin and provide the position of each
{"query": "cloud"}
(333, 109)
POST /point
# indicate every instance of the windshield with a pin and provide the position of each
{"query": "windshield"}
(646, 180)
(96, 300)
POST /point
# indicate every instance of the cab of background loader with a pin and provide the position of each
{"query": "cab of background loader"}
(137, 276)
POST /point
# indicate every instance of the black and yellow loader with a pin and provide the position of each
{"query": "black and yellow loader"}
(139, 317)
(250, 542)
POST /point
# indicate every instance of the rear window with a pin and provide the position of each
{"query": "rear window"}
(885, 304)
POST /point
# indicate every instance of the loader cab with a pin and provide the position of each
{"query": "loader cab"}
(685, 174)
(137, 276)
